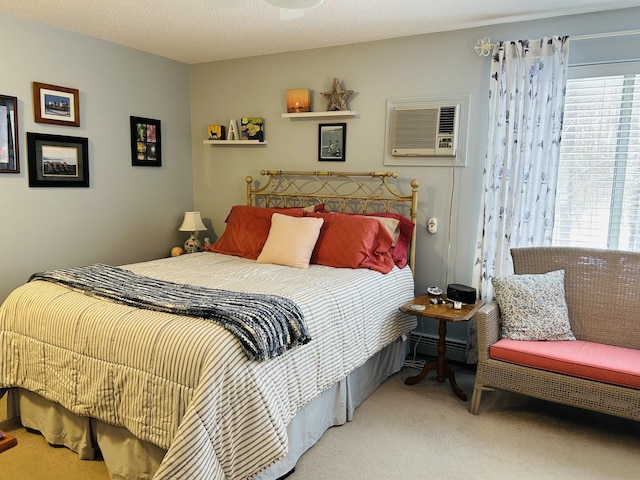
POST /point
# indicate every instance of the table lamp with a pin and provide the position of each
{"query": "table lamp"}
(192, 222)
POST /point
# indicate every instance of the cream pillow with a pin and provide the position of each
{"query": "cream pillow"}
(291, 240)
(533, 306)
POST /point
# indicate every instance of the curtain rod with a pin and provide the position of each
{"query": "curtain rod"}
(484, 47)
(605, 35)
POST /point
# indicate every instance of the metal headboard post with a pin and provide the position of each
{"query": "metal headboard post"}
(354, 192)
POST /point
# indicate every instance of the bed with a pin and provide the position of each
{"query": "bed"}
(168, 393)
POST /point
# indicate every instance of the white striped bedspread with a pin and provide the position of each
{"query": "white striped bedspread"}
(186, 384)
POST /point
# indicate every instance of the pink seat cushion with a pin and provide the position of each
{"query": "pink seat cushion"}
(594, 361)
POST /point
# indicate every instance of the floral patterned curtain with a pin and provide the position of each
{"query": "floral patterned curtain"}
(526, 105)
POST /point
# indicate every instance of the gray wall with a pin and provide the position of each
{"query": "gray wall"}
(132, 213)
(437, 65)
(129, 213)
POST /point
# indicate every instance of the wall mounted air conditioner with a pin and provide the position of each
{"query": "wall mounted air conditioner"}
(424, 131)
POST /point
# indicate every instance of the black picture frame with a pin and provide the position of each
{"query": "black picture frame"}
(9, 144)
(332, 142)
(57, 160)
(146, 142)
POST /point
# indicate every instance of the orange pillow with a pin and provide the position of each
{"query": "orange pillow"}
(399, 251)
(400, 248)
(351, 241)
(247, 230)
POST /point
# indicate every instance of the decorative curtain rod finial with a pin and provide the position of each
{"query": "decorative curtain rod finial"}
(484, 47)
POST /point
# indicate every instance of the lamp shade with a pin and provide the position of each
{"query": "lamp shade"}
(192, 222)
(295, 4)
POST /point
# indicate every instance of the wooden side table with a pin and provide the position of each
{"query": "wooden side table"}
(444, 313)
(7, 441)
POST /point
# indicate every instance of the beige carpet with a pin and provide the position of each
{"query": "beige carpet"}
(421, 432)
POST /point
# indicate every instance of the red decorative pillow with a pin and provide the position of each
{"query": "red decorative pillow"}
(399, 251)
(401, 247)
(351, 241)
(247, 230)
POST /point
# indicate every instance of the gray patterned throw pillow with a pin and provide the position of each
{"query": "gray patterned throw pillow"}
(533, 306)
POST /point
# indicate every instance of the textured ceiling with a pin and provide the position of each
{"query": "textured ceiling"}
(195, 31)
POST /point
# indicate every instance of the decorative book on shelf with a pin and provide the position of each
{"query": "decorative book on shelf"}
(215, 132)
(298, 100)
(252, 128)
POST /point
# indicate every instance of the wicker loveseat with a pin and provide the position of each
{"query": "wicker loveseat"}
(602, 291)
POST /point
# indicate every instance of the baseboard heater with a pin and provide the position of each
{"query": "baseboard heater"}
(427, 345)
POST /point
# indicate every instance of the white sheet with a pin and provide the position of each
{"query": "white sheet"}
(157, 374)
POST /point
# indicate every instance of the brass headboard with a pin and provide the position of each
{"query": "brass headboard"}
(351, 192)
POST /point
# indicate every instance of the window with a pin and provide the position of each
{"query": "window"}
(598, 197)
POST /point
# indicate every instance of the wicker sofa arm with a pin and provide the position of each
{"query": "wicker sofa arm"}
(487, 328)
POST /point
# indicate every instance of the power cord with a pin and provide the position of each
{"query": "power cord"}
(413, 362)
(451, 200)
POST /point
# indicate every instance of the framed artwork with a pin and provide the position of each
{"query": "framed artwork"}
(9, 157)
(57, 105)
(252, 128)
(145, 142)
(57, 160)
(298, 100)
(332, 142)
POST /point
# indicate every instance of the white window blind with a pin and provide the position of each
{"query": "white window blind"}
(598, 197)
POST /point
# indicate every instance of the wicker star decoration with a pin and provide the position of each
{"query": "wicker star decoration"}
(337, 97)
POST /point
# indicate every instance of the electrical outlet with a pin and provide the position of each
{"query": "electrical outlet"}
(432, 225)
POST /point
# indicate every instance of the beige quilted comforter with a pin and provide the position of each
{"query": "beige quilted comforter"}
(185, 384)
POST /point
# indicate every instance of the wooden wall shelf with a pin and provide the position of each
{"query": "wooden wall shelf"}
(340, 113)
(233, 142)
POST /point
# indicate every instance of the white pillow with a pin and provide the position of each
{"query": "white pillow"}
(533, 306)
(291, 240)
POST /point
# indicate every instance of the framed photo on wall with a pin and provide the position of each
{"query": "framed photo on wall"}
(145, 142)
(56, 105)
(9, 157)
(332, 142)
(57, 160)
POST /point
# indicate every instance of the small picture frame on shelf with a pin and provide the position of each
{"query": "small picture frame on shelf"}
(332, 142)
(215, 132)
(56, 105)
(298, 100)
(57, 160)
(145, 142)
(252, 128)
(9, 151)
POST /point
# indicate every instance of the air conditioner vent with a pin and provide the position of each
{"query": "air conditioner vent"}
(424, 131)
(447, 120)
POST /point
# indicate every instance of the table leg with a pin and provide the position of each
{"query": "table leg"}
(454, 386)
(428, 367)
(440, 365)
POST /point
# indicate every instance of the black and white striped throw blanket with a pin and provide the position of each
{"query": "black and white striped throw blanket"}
(265, 325)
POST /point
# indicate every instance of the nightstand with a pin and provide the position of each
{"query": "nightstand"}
(443, 313)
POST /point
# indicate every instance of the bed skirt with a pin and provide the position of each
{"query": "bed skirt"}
(127, 457)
